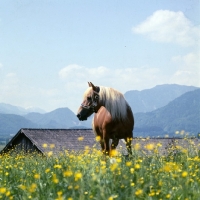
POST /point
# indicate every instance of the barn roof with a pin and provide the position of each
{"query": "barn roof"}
(56, 140)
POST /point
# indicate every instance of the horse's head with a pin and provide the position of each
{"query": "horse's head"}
(90, 102)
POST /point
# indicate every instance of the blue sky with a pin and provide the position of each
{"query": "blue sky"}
(50, 49)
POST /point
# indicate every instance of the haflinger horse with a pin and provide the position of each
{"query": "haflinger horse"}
(113, 117)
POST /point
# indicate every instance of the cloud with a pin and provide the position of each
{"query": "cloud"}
(123, 79)
(188, 69)
(169, 27)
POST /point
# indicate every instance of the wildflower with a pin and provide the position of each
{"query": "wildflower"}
(67, 173)
(132, 184)
(8, 193)
(52, 146)
(150, 146)
(184, 174)
(80, 138)
(57, 166)
(168, 196)
(138, 192)
(113, 152)
(50, 153)
(128, 163)
(77, 176)
(70, 198)
(55, 179)
(137, 166)
(3, 190)
(36, 176)
(47, 170)
(98, 138)
(44, 145)
(113, 166)
(132, 170)
(137, 146)
(23, 187)
(33, 188)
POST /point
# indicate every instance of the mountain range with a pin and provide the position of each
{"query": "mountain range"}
(161, 110)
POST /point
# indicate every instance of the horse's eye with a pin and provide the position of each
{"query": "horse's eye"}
(89, 98)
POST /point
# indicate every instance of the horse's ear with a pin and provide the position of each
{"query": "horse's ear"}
(93, 87)
(89, 84)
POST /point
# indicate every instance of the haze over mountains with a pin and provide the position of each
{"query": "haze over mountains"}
(158, 111)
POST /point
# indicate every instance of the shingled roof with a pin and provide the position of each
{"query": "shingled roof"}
(56, 140)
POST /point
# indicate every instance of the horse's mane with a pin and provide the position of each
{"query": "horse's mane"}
(114, 102)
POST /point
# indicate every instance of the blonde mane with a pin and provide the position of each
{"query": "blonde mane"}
(114, 102)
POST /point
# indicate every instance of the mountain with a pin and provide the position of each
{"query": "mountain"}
(183, 113)
(59, 118)
(154, 98)
(17, 110)
(10, 124)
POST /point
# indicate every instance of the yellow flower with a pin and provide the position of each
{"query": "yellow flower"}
(138, 192)
(44, 145)
(80, 138)
(36, 176)
(33, 188)
(184, 174)
(67, 173)
(98, 138)
(50, 153)
(52, 146)
(132, 170)
(2, 190)
(150, 146)
(110, 198)
(132, 184)
(168, 196)
(137, 166)
(77, 176)
(113, 152)
(23, 187)
(128, 163)
(47, 170)
(8, 193)
(70, 198)
(137, 146)
(113, 166)
(54, 179)
(57, 166)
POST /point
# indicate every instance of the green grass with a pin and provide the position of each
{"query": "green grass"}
(89, 175)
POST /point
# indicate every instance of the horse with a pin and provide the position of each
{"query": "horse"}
(113, 117)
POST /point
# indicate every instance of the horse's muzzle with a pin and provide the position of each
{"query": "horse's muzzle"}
(81, 118)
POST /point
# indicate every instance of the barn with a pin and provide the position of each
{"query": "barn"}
(58, 140)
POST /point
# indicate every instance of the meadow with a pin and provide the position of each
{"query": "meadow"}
(90, 175)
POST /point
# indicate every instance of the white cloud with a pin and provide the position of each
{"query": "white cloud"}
(188, 69)
(169, 26)
(122, 79)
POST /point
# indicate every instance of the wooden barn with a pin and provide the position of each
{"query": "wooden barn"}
(57, 140)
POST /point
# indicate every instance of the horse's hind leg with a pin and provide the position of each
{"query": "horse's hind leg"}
(105, 146)
(129, 145)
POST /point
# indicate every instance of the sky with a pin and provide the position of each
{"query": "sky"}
(50, 49)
